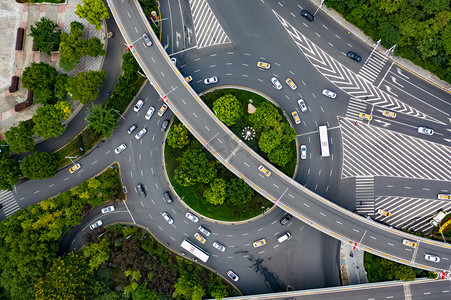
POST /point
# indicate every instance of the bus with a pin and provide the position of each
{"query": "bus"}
(323, 141)
(195, 250)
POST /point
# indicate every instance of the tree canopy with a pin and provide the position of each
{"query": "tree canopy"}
(103, 120)
(228, 109)
(39, 165)
(265, 117)
(215, 194)
(281, 155)
(45, 37)
(178, 136)
(9, 174)
(85, 86)
(194, 167)
(94, 11)
(47, 120)
(20, 138)
(39, 76)
(238, 191)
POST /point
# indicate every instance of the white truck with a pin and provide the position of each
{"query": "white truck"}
(437, 218)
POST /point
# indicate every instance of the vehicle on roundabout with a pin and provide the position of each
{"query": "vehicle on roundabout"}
(265, 171)
(167, 218)
(366, 116)
(167, 197)
(211, 80)
(291, 84)
(329, 94)
(302, 105)
(138, 105)
(219, 246)
(140, 189)
(164, 125)
(174, 61)
(232, 275)
(303, 152)
(147, 40)
(96, 224)
(132, 128)
(285, 219)
(200, 238)
(120, 148)
(425, 130)
(296, 118)
(108, 209)
(276, 83)
(263, 65)
(192, 217)
(308, 15)
(162, 110)
(259, 243)
(354, 56)
(149, 113)
(74, 168)
(389, 114)
(204, 230)
(141, 133)
(188, 78)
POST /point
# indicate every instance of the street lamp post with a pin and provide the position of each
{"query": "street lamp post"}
(70, 157)
(119, 114)
(322, 2)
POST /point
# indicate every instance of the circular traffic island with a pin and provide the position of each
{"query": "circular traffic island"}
(202, 182)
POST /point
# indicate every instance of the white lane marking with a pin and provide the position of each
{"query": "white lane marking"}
(51, 185)
(322, 214)
(339, 222)
(306, 205)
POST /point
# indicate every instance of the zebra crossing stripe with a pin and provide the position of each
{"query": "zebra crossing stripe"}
(374, 151)
(364, 194)
(354, 84)
(10, 205)
(208, 31)
(355, 108)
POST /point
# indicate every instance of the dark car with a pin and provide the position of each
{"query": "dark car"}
(132, 128)
(306, 14)
(141, 190)
(285, 219)
(167, 197)
(164, 125)
(354, 56)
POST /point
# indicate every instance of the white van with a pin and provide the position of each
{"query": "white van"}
(284, 237)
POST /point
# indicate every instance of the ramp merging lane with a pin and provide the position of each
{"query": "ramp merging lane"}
(242, 161)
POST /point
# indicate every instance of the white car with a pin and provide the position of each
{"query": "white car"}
(192, 217)
(329, 94)
(303, 152)
(232, 275)
(138, 105)
(204, 230)
(219, 246)
(302, 105)
(430, 257)
(425, 130)
(211, 80)
(108, 209)
(147, 40)
(174, 61)
(149, 113)
(141, 133)
(121, 148)
(167, 217)
(96, 224)
(276, 83)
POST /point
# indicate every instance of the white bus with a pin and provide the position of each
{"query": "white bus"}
(323, 141)
(195, 250)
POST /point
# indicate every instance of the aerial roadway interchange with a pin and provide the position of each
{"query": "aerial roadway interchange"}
(279, 188)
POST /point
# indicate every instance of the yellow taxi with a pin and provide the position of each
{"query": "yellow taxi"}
(291, 84)
(188, 78)
(200, 238)
(264, 171)
(296, 118)
(444, 196)
(74, 168)
(259, 243)
(263, 65)
(389, 114)
(162, 110)
(384, 213)
(366, 116)
(409, 243)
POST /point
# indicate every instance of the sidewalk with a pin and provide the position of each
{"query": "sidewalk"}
(23, 16)
(399, 60)
(352, 269)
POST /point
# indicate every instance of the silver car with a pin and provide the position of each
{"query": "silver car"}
(141, 133)
(302, 105)
(96, 224)
(329, 94)
(276, 83)
(149, 113)
(204, 230)
(303, 152)
(232, 275)
(108, 209)
(192, 217)
(147, 40)
(219, 246)
(121, 148)
(167, 217)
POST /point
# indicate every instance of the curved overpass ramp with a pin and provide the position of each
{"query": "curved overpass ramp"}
(243, 162)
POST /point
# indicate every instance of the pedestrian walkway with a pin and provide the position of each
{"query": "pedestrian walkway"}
(355, 107)
(10, 205)
(364, 195)
(352, 268)
(372, 69)
(208, 30)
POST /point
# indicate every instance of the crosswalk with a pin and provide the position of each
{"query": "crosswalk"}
(208, 30)
(358, 86)
(364, 195)
(374, 151)
(355, 107)
(410, 213)
(372, 69)
(10, 205)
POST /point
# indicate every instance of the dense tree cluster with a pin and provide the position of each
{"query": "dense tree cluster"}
(45, 37)
(39, 165)
(194, 167)
(228, 109)
(20, 138)
(94, 11)
(178, 136)
(420, 29)
(85, 85)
